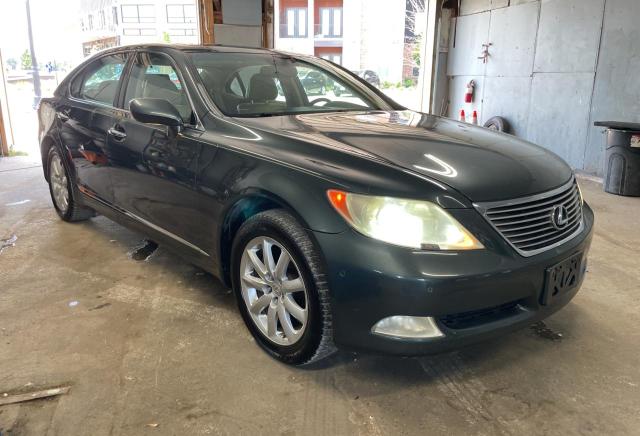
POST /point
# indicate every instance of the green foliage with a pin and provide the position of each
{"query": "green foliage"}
(25, 60)
(386, 84)
(408, 83)
(12, 63)
(166, 38)
(415, 54)
(14, 152)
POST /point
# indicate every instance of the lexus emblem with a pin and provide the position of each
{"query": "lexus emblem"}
(559, 217)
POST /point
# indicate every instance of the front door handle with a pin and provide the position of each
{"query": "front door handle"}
(117, 134)
(63, 116)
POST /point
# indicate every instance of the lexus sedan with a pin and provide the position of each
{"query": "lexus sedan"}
(370, 76)
(314, 83)
(350, 223)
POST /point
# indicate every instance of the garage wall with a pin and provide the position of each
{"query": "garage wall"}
(6, 136)
(555, 66)
(242, 23)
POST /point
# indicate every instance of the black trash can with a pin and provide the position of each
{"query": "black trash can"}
(622, 159)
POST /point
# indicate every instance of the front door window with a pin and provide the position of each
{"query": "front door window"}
(153, 76)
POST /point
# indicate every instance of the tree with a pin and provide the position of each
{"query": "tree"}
(25, 60)
(413, 37)
(415, 55)
(166, 38)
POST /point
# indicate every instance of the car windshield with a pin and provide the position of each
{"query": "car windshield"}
(263, 84)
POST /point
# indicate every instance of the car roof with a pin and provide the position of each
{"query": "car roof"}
(193, 47)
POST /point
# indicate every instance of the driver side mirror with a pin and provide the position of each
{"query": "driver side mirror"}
(156, 111)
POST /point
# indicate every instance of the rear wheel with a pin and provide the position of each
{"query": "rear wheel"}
(60, 190)
(281, 288)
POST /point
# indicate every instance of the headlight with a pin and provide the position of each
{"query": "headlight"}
(409, 223)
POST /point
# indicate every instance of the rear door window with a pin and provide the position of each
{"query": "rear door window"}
(100, 80)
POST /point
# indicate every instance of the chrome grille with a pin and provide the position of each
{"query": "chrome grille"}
(528, 224)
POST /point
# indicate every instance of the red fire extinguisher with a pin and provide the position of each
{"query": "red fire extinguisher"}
(468, 96)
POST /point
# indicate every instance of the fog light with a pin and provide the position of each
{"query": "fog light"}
(408, 327)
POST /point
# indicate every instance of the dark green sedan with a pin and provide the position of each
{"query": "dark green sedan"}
(339, 221)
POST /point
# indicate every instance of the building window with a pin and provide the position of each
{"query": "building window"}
(182, 32)
(138, 14)
(333, 57)
(103, 19)
(181, 14)
(138, 32)
(114, 12)
(295, 23)
(90, 22)
(330, 22)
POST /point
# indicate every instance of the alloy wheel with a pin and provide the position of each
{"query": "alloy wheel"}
(274, 291)
(58, 178)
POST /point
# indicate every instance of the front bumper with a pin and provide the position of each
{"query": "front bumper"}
(491, 291)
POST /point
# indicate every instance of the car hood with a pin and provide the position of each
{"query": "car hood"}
(481, 164)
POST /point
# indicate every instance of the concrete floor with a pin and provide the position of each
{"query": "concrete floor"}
(159, 342)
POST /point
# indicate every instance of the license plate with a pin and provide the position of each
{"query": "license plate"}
(561, 278)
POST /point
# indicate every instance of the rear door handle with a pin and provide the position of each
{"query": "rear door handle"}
(117, 134)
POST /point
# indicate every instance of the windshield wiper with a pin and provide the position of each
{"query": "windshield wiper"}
(277, 114)
(260, 115)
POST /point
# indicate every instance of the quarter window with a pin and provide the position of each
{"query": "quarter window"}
(99, 81)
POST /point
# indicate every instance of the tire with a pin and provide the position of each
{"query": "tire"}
(268, 295)
(498, 123)
(61, 192)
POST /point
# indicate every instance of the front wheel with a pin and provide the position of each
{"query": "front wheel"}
(281, 288)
